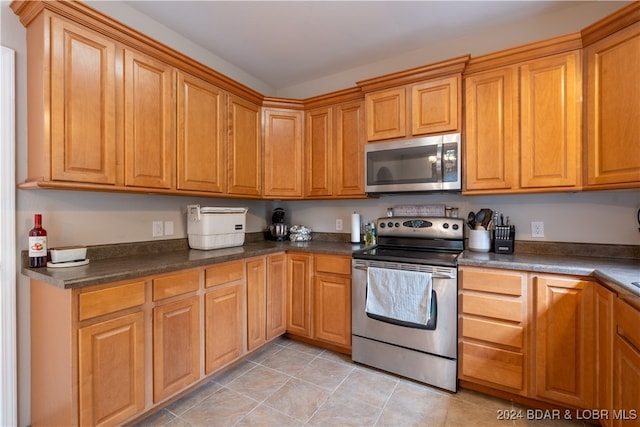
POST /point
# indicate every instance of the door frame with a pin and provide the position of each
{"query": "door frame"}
(8, 334)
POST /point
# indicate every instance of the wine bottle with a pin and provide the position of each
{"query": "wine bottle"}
(37, 244)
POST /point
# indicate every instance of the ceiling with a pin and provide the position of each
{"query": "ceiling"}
(285, 43)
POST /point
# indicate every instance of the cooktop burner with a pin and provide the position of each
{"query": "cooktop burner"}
(445, 259)
(423, 240)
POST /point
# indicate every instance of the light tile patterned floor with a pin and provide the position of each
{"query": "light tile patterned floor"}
(288, 383)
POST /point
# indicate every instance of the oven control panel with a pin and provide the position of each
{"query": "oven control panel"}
(421, 227)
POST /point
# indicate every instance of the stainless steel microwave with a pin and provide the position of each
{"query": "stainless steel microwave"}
(413, 165)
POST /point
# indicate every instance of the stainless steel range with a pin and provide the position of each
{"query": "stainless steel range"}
(405, 299)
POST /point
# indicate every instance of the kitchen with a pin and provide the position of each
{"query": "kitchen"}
(101, 218)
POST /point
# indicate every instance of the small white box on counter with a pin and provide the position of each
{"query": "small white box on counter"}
(215, 227)
(68, 254)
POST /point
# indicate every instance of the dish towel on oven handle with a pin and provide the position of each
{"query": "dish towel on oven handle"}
(399, 294)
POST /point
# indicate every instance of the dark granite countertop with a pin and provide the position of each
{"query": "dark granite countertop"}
(110, 263)
(127, 263)
(616, 273)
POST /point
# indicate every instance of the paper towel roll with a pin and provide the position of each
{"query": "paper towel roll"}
(355, 227)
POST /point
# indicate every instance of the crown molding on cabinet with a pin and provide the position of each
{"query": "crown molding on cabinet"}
(82, 14)
(624, 17)
(438, 69)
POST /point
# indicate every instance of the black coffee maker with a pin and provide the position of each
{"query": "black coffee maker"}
(278, 229)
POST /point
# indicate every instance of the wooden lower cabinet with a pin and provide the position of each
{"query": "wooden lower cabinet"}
(564, 331)
(176, 346)
(494, 348)
(256, 303)
(605, 330)
(299, 271)
(626, 365)
(332, 299)
(223, 325)
(276, 295)
(319, 298)
(111, 370)
(224, 314)
(557, 339)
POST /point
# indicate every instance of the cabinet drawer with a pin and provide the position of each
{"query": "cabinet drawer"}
(333, 264)
(497, 308)
(502, 282)
(175, 284)
(494, 365)
(109, 300)
(224, 273)
(494, 332)
(627, 321)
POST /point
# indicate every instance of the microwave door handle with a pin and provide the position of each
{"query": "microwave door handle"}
(439, 163)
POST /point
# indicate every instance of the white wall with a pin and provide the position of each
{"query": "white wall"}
(95, 218)
(598, 217)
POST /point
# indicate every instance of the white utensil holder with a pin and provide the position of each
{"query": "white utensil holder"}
(479, 240)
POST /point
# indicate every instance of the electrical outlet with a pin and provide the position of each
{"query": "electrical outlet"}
(158, 229)
(168, 228)
(537, 229)
(338, 224)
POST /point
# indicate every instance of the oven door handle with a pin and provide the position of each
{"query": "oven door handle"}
(434, 276)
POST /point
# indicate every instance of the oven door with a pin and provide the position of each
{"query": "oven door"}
(440, 339)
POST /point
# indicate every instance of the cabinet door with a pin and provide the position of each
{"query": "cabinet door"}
(626, 365)
(332, 309)
(244, 148)
(605, 330)
(256, 303)
(551, 102)
(348, 150)
(613, 91)
(435, 106)
(149, 116)
(564, 345)
(299, 293)
(318, 155)
(626, 397)
(276, 295)
(224, 326)
(202, 164)
(491, 134)
(83, 105)
(111, 370)
(176, 346)
(283, 153)
(386, 113)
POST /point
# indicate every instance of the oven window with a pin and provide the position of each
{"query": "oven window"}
(414, 165)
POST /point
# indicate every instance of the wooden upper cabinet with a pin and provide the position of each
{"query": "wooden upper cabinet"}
(318, 152)
(386, 114)
(82, 107)
(550, 122)
(149, 121)
(435, 106)
(491, 129)
(613, 110)
(201, 153)
(348, 149)
(523, 126)
(283, 166)
(244, 147)
(334, 150)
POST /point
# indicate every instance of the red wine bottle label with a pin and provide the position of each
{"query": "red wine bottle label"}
(37, 246)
